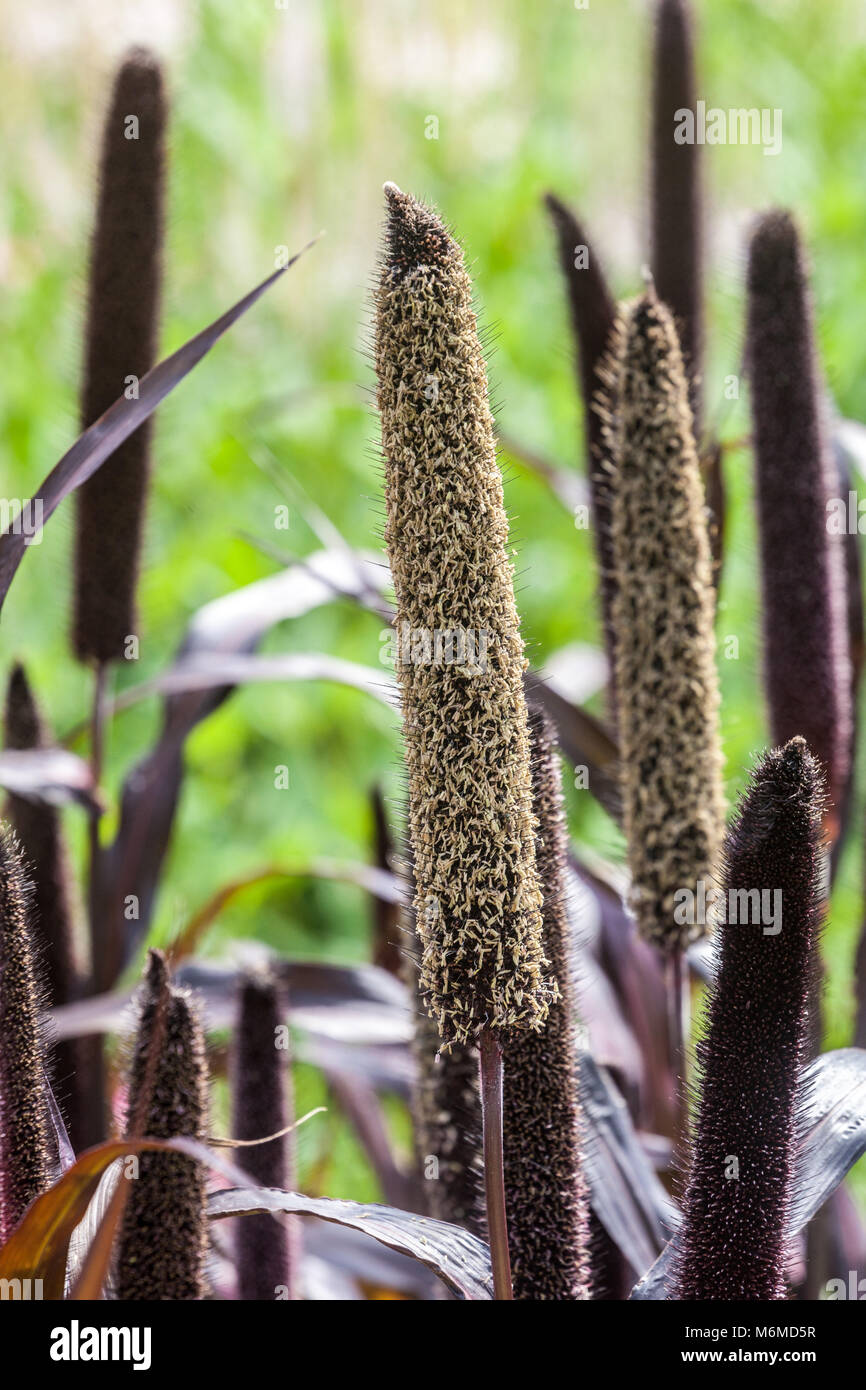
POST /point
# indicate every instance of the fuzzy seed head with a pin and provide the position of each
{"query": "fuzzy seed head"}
(732, 1242)
(446, 1112)
(446, 1100)
(545, 1193)
(467, 752)
(260, 1077)
(121, 339)
(664, 608)
(40, 835)
(593, 314)
(25, 1124)
(806, 658)
(676, 230)
(163, 1241)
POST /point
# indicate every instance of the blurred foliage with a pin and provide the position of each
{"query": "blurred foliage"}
(286, 121)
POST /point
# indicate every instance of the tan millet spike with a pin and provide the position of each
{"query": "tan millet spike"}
(467, 752)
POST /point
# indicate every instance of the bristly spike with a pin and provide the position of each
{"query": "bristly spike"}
(446, 1105)
(676, 226)
(40, 835)
(25, 1116)
(593, 314)
(732, 1242)
(261, 1076)
(545, 1192)
(667, 684)
(163, 1240)
(121, 342)
(807, 668)
(470, 809)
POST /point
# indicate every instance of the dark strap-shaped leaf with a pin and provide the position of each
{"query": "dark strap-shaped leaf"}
(228, 626)
(625, 1192)
(831, 1138)
(52, 775)
(122, 419)
(584, 741)
(460, 1260)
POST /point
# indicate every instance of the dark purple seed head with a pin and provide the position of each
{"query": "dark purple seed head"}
(163, 1240)
(593, 313)
(676, 230)
(40, 835)
(545, 1192)
(120, 344)
(25, 1116)
(732, 1242)
(261, 1082)
(807, 670)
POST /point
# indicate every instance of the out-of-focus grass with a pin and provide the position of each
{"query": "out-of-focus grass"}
(286, 121)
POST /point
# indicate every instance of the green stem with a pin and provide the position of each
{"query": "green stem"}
(490, 1054)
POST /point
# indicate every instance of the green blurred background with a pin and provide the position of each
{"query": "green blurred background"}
(286, 121)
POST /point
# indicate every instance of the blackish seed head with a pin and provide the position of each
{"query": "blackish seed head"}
(415, 235)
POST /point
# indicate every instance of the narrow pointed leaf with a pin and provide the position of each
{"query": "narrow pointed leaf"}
(460, 1260)
(99, 442)
(53, 775)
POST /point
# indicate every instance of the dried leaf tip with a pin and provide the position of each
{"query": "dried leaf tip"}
(733, 1240)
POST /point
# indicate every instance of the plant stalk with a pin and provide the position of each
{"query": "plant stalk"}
(490, 1055)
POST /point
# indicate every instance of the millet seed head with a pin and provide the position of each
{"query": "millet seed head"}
(732, 1243)
(467, 753)
(667, 684)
